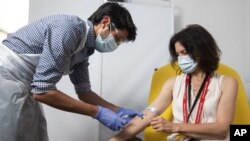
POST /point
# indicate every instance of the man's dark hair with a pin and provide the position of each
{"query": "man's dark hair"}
(119, 15)
(200, 46)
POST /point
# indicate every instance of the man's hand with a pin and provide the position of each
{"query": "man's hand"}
(128, 114)
(110, 119)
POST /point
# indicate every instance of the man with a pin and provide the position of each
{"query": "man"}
(34, 59)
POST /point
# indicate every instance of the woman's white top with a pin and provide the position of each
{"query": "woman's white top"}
(209, 111)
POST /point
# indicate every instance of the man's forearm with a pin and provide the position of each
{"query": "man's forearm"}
(92, 98)
(59, 100)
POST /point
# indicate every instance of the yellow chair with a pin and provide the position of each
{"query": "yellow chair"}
(242, 111)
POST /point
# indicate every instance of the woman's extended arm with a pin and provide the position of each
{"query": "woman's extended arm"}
(138, 124)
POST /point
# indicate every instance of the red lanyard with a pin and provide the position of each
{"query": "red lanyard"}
(201, 94)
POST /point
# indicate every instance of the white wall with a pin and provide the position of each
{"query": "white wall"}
(246, 44)
(13, 14)
(228, 21)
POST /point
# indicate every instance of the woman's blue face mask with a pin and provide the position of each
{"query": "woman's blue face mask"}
(187, 64)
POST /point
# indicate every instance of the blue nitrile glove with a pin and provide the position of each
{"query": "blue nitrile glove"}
(110, 119)
(128, 114)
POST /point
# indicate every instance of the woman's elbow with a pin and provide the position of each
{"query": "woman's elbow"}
(223, 133)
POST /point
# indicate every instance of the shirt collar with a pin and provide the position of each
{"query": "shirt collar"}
(90, 42)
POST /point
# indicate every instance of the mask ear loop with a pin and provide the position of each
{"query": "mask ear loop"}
(113, 27)
(105, 33)
(110, 28)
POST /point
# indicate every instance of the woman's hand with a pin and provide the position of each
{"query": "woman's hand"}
(160, 124)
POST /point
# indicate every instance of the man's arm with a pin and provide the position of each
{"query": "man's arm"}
(59, 100)
(94, 99)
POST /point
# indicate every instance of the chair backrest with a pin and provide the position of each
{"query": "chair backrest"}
(242, 111)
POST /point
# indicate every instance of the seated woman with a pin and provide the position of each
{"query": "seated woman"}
(203, 101)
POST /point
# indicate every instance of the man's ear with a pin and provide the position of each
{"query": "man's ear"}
(105, 21)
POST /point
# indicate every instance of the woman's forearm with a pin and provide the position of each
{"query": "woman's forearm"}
(134, 127)
(205, 130)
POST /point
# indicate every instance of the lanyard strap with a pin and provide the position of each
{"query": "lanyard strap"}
(201, 94)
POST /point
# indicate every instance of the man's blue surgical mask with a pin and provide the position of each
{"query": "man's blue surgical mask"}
(187, 64)
(107, 44)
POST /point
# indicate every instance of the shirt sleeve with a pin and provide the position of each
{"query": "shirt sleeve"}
(80, 77)
(62, 39)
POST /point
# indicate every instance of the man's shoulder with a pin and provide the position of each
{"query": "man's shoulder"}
(63, 17)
